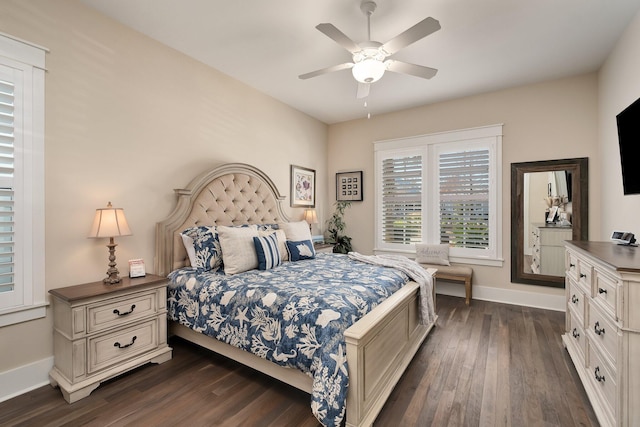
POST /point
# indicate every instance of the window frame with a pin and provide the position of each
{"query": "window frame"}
(28, 298)
(431, 145)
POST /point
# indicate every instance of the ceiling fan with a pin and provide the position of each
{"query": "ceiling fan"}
(370, 57)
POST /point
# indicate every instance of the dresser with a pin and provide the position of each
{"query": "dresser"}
(603, 327)
(101, 330)
(548, 248)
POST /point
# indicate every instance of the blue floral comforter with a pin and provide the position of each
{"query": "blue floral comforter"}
(294, 315)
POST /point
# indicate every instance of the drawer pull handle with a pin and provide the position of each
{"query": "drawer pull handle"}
(599, 378)
(574, 299)
(575, 333)
(597, 329)
(117, 312)
(117, 344)
(571, 265)
(602, 291)
(583, 275)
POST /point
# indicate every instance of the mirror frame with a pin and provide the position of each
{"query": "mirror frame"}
(579, 168)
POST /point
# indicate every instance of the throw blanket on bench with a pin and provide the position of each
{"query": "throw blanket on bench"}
(411, 269)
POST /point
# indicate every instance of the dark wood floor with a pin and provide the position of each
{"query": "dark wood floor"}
(485, 365)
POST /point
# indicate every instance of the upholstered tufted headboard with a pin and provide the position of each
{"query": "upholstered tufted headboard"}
(231, 194)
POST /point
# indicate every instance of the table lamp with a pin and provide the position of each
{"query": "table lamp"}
(311, 217)
(110, 222)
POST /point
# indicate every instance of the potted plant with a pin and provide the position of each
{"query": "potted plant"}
(335, 229)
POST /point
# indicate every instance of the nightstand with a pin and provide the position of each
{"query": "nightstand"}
(323, 247)
(100, 331)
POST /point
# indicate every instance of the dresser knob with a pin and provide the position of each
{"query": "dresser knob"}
(575, 333)
(602, 291)
(571, 265)
(599, 378)
(117, 344)
(597, 329)
(117, 312)
(583, 275)
(574, 299)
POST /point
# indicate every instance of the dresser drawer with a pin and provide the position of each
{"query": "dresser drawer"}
(606, 292)
(585, 273)
(577, 336)
(602, 377)
(603, 331)
(121, 311)
(576, 301)
(110, 349)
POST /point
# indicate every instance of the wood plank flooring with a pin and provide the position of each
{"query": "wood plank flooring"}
(485, 365)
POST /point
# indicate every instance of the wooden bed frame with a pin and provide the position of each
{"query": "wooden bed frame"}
(379, 346)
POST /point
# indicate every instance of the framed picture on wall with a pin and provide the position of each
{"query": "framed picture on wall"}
(349, 186)
(303, 187)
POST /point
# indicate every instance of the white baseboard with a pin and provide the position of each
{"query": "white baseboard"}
(505, 296)
(24, 378)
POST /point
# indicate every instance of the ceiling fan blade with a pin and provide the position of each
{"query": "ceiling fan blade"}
(363, 90)
(326, 70)
(420, 30)
(338, 36)
(411, 69)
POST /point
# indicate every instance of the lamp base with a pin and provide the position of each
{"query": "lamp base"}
(112, 273)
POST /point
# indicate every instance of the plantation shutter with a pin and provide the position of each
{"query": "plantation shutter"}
(464, 198)
(402, 199)
(7, 242)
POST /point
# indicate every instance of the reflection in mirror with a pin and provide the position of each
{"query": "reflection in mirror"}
(549, 206)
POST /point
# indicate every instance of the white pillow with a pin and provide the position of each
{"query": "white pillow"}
(188, 246)
(238, 250)
(432, 254)
(282, 245)
(296, 231)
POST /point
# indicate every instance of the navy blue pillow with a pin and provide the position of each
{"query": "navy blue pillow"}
(300, 250)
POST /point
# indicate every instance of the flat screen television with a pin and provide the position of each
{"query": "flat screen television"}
(629, 139)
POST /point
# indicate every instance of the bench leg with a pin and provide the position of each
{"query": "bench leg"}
(467, 289)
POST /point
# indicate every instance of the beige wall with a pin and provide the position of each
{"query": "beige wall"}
(619, 86)
(127, 121)
(552, 120)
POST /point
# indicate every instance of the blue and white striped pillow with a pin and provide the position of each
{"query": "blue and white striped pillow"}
(267, 251)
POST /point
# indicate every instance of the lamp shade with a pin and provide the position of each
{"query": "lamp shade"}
(368, 70)
(110, 222)
(310, 216)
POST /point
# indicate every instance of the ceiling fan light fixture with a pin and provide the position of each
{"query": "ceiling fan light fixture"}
(368, 70)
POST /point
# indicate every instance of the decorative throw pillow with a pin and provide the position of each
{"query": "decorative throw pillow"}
(238, 250)
(302, 249)
(267, 251)
(432, 254)
(203, 247)
(296, 231)
(282, 238)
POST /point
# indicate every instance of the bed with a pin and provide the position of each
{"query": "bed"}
(378, 347)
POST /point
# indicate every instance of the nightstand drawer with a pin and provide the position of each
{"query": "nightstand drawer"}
(110, 349)
(121, 311)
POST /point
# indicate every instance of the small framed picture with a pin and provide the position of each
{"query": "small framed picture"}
(349, 186)
(136, 268)
(553, 213)
(303, 187)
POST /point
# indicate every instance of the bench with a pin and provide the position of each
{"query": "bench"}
(456, 273)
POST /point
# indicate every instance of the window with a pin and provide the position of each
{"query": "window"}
(441, 188)
(22, 289)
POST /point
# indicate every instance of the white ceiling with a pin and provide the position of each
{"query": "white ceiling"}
(484, 45)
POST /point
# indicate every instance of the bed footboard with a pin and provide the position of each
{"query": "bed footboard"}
(379, 348)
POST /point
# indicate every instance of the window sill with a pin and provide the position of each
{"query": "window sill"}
(498, 262)
(23, 314)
